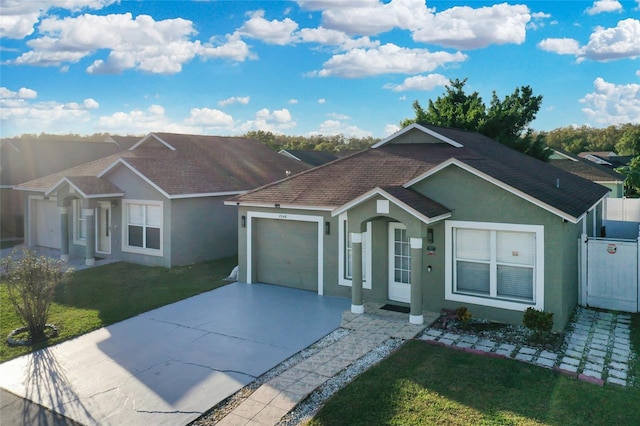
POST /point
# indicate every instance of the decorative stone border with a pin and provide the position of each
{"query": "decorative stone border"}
(28, 342)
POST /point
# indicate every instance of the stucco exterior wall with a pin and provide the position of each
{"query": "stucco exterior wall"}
(137, 189)
(202, 229)
(474, 199)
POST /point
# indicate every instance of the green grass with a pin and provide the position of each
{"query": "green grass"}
(100, 296)
(422, 384)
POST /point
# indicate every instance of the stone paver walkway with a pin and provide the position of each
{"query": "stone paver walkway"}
(271, 401)
(597, 348)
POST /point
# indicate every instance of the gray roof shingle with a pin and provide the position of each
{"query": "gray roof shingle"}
(335, 184)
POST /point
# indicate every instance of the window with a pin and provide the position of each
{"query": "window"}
(143, 230)
(498, 265)
(79, 223)
(345, 252)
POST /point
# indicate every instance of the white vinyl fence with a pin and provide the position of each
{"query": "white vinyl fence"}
(609, 274)
(622, 209)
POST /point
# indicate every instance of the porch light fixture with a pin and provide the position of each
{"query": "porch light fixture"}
(243, 220)
(277, 206)
(430, 236)
(327, 228)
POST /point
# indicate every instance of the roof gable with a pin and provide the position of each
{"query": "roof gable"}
(419, 206)
(152, 140)
(416, 133)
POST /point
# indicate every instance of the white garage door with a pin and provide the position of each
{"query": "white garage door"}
(287, 253)
(47, 224)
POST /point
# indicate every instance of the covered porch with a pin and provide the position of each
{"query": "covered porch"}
(395, 225)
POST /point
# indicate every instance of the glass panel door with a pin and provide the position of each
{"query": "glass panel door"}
(399, 263)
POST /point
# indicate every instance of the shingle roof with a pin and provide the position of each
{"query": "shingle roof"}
(197, 165)
(335, 184)
(586, 169)
(314, 158)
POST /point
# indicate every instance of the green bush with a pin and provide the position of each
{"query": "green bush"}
(31, 282)
(540, 322)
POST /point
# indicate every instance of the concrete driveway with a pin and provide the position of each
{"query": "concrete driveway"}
(169, 365)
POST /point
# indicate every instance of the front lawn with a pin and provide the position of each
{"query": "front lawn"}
(103, 295)
(422, 384)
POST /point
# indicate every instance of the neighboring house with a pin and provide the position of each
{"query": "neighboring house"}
(313, 158)
(429, 218)
(26, 159)
(158, 203)
(606, 158)
(598, 173)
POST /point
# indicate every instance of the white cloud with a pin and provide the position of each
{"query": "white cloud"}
(292, 101)
(420, 82)
(270, 121)
(19, 110)
(337, 116)
(22, 93)
(387, 59)
(19, 17)
(322, 101)
(463, 27)
(233, 48)
(369, 17)
(91, 103)
(390, 129)
(600, 6)
(244, 100)
(336, 127)
(614, 43)
(612, 104)
(561, 46)
(273, 32)
(139, 122)
(207, 117)
(605, 44)
(638, 72)
(143, 43)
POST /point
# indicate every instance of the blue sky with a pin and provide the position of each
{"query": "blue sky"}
(306, 67)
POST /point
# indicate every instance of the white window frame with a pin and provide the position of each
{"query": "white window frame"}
(538, 270)
(125, 228)
(79, 220)
(366, 254)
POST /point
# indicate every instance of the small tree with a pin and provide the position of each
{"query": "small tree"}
(31, 282)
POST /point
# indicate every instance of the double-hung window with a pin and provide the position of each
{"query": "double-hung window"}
(498, 265)
(79, 223)
(143, 226)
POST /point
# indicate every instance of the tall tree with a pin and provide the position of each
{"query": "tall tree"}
(629, 143)
(506, 120)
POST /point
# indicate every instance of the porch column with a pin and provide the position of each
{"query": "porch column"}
(90, 248)
(357, 306)
(415, 316)
(64, 233)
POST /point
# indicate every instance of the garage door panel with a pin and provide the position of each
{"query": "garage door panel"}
(287, 253)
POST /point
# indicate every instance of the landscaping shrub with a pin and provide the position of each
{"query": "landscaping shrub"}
(540, 322)
(31, 282)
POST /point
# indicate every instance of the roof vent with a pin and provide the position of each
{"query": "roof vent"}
(558, 183)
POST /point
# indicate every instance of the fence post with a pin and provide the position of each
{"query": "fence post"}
(582, 273)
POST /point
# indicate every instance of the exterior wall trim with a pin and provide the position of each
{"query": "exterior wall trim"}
(286, 216)
(366, 282)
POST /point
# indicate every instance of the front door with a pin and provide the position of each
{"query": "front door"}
(399, 263)
(103, 227)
